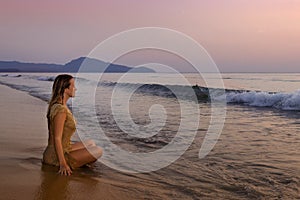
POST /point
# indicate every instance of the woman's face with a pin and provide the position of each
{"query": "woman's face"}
(71, 90)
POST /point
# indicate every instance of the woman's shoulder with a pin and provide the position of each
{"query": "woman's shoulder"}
(57, 108)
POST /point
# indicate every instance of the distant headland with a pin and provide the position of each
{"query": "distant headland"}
(90, 65)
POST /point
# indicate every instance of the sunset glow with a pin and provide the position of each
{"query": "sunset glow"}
(240, 35)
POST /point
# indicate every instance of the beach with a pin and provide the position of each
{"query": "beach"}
(23, 138)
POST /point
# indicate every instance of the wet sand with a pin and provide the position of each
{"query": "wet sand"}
(23, 137)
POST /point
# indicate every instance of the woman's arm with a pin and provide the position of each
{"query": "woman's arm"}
(59, 121)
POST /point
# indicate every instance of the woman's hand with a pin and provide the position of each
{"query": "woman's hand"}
(65, 170)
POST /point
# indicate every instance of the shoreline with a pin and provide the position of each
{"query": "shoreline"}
(23, 139)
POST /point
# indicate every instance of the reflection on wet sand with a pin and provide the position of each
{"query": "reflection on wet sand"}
(84, 183)
(55, 186)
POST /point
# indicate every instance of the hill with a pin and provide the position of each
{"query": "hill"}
(90, 65)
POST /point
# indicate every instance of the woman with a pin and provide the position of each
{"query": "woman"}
(61, 126)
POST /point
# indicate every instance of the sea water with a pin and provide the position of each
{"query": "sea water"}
(257, 154)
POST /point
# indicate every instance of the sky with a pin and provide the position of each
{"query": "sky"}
(239, 35)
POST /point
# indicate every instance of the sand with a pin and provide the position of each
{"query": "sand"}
(23, 137)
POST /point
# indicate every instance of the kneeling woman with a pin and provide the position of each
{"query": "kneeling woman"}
(61, 126)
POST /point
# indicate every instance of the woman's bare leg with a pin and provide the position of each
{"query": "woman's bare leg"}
(86, 156)
(82, 145)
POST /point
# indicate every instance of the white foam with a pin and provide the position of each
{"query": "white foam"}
(283, 101)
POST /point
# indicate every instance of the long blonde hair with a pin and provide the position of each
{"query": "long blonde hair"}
(61, 83)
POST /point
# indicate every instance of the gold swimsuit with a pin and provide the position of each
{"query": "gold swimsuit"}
(49, 155)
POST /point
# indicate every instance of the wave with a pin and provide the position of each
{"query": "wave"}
(282, 101)
(46, 78)
(52, 78)
(170, 91)
(11, 75)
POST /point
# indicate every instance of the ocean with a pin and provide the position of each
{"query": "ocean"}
(152, 127)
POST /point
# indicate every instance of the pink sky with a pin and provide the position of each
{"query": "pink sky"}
(240, 35)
